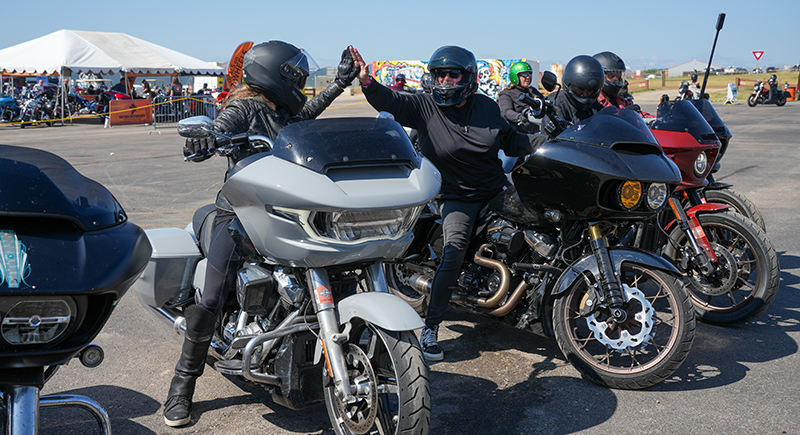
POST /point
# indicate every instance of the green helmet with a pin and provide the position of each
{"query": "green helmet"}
(518, 68)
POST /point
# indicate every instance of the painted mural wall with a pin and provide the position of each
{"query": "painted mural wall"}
(492, 73)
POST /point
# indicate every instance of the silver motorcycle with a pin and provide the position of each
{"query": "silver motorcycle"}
(311, 317)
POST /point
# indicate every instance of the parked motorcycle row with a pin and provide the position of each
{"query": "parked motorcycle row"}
(613, 239)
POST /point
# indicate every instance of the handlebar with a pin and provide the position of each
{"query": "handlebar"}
(542, 107)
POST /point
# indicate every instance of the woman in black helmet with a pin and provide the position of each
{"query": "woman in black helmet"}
(582, 82)
(271, 96)
(460, 132)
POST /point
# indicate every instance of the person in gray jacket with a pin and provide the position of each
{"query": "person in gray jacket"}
(271, 96)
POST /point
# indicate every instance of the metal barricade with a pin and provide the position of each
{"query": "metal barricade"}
(167, 111)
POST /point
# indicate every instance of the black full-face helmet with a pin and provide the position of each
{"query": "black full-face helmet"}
(446, 60)
(694, 77)
(614, 70)
(279, 71)
(425, 82)
(583, 79)
(773, 78)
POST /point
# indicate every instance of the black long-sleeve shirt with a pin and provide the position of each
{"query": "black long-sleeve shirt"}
(462, 142)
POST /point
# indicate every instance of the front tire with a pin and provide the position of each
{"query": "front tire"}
(749, 272)
(639, 353)
(752, 101)
(398, 400)
(740, 203)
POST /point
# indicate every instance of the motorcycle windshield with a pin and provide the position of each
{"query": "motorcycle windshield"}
(609, 126)
(323, 144)
(710, 115)
(682, 116)
(36, 183)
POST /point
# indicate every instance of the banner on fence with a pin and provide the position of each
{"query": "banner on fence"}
(128, 112)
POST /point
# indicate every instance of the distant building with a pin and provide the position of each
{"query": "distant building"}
(688, 68)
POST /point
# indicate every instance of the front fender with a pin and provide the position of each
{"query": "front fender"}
(619, 255)
(381, 309)
(709, 207)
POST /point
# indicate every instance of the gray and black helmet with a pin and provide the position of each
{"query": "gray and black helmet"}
(279, 71)
(583, 78)
(449, 58)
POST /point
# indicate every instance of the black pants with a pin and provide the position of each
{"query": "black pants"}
(458, 219)
(223, 262)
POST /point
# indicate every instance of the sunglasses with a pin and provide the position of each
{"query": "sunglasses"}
(524, 74)
(452, 73)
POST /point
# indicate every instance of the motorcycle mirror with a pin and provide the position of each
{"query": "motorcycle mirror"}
(720, 21)
(549, 81)
(196, 127)
(635, 107)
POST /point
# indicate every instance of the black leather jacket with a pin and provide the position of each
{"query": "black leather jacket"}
(254, 117)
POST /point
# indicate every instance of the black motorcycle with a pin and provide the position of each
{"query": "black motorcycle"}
(761, 95)
(68, 255)
(539, 259)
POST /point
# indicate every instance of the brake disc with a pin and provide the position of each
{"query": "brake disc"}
(359, 415)
(725, 276)
(623, 337)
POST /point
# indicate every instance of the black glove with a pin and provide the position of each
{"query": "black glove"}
(347, 70)
(199, 149)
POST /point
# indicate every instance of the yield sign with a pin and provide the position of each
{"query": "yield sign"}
(758, 55)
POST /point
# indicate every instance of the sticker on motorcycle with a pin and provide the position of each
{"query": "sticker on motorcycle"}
(14, 267)
(323, 295)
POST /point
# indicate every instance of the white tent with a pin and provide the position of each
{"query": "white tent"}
(99, 53)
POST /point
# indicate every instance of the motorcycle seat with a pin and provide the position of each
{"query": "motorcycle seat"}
(203, 225)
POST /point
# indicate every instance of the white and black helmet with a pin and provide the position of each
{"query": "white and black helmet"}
(279, 71)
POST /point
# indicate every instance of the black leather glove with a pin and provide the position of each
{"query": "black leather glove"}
(347, 70)
(199, 149)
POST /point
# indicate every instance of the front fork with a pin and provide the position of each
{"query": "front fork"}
(703, 256)
(612, 291)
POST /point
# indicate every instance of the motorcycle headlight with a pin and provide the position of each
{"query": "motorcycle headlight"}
(37, 321)
(656, 195)
(629, 194)
(354, 226)
(700, 165)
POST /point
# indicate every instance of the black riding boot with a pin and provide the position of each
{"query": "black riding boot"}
(200, 324)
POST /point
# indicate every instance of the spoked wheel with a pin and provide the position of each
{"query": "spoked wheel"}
(747, 273)
(739, 202)
(752, 100)
(392, 390)
(640, 352)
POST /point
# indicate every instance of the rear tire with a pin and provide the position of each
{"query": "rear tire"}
(740, 203)
(752, 101)
(780, 99)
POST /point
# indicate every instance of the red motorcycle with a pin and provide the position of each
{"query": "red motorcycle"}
(729, 263)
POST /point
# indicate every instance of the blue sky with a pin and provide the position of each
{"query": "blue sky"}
(646, 34)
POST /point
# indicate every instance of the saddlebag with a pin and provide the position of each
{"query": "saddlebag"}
(167, 279)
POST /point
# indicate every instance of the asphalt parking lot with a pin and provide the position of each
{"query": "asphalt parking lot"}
(495, 379)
